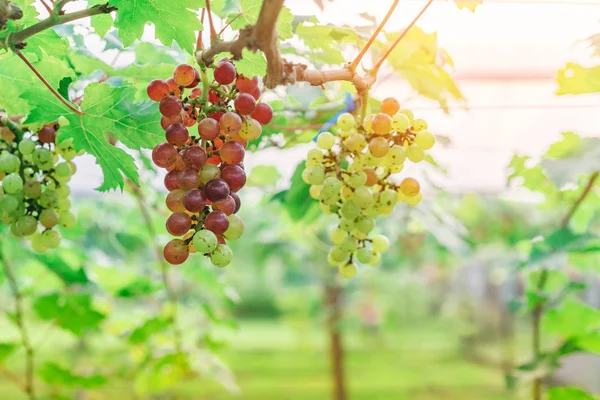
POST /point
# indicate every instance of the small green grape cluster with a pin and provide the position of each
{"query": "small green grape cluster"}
(354, 175)
(34, 172)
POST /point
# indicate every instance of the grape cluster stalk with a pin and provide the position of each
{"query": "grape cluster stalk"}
(34, 172)
(355, 176)
(206, 139)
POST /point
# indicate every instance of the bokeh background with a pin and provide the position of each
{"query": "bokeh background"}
(437, 320)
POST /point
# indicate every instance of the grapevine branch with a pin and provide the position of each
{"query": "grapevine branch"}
(538, 310)
(213, 32)
(29, 386)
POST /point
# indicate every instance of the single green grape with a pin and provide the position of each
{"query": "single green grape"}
(51, 239)
(376, 258)
(348, 271)
(364, 255)
(26, 225)
(338, 254)
(9, 163)
(221, 256)
(205, 241)
(62, 170)
(357, 179)
(48, 218)
(350, 210)
(395, 156)
(349, 244)
(346, 225)
(400, 123)
(32, 189)
(49, 199)
(63, 191)
(236, 227)
(209, 172)
(365, 224)
(12, 184)
(37, 243)
(325, 140)
(363, 197)
(380, 243)
(388, 198)
(314, 157)
(346, 121)
(67, 220)
(425, 140)
(316, 175)
(419, 125)
(337, 235)
(27, 146)
(415, 153)
(43, 158)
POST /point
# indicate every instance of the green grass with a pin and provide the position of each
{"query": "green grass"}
(272, 361)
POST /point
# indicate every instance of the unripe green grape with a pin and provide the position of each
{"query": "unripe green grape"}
(375, 259)
(388, 198)
(63, 191)
(316, 175)
(27, 146)
(400, 123)
(346, 224)
(314, 157)
(409, 114)
(415, 154)
(356, 143)
(346, 121)
(64, 205)
(348, 271)
(28, 173)
(338, 254)
(26, 225)
(50, 185)
(371, 160)
(62, 170)
(337, 235)
(50, 239)
(331, 261)
(425, 140)
(209, 172)
(314, 191)
(383, 210)
(49, 199)
(330, 191)
(368, 123)
(350, 210)
(63, 121)
(380, 243)
(357, 179)
(349, 244)
(205, 241)
(37, 243)
(325, 140)
(414, 200)
(9, 163)
(9, 204)
(12, 184)
(32, 189)
(395, 156)
(236, 227)
(364, 255)
(48, 218)
(14, 229)
(419, 125)
(365, 224)
(43, 159)
(363, 197)
(67, 220)
(221, 256)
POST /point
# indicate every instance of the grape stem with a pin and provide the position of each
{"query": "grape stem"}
(45, 82)
(46, 6)
(537, 313)
(29, 385)
(172, 296)
(199, 44)
(213, 32)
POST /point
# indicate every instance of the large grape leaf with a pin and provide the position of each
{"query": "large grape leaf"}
(246, 12)
(105, 109)
(16, 78)
(568, 393)
(174, 20)
(252, 64)
(575, 79)
(572, 157)
(572, 319)
(73, 312)
(103, 22)
(57, 375)
(326, 39)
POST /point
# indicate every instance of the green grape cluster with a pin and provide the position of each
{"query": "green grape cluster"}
(34, 172)
(355, 176)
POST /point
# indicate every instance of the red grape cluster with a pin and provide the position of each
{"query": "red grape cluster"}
(207, 131)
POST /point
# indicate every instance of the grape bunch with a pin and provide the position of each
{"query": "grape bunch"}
(34, 172)
(354, 175)
(207, 131)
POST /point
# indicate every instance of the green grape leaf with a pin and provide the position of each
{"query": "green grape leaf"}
(533, 178)
(468, 4)
(572, 319)
(17, 79)
(142, 333)
(553, 249)
(149, 53)
(590, 343)
(297, 200)
(324, 41)
(285, 29)
(249, 10)
(6, 350)
(264, 175)
(57, 375)
(105, 110)
(576, 79)
(73, 312)
(252, 64)
(137, 288)
(174, 20)
(568, 393)
(572, 157)
(44, 43)
(59, 266)
(103, 22)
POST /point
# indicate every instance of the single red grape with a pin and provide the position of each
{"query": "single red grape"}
(170, 106)
(263, 113)
(166, 122)
(238, 202)
(208, 128)
(213, 96)
(256, 93)
(244, 104)
(230, 123)
(188, 179)
(179, 223)
(235, 176)
(184, 75)
(194, 157)
(176, 252)
(47, 134)
(217, 222)
(177, 134)
(196, 93)
(164, 155)
(232, 153)
(175, 200)
(173, 87)
(216, 115)
(225, 73)
(216, 190)
(171, 180)
(196, 80)
(194, 200)
(245, 85)
(178, 164)
(228, 205)
(158, 90)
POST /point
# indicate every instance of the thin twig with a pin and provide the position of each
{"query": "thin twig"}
(46, 6)
(29, 385)
(172, 296)
(213, 32)
(229, 23)
(366, 47)
(199, 44)
(402, 35)
(536, 315)
(45, 82)
(13, 378)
